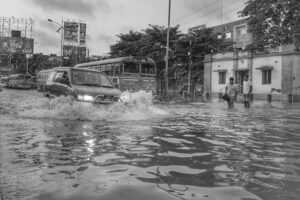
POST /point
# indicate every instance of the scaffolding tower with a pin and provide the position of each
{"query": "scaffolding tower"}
(9, 24)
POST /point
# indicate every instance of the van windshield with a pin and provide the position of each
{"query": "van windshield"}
(90, 78)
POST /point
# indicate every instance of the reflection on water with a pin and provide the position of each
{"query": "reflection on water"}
(192, 151)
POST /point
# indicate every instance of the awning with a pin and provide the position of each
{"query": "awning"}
(265, 68)
(241, 70)
(220, 70)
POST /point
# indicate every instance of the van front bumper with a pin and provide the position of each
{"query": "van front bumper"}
(98, 99)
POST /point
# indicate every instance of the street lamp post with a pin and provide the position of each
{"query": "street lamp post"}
(60, 29)
(167, 54)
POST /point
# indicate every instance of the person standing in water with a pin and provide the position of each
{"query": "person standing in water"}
(231, 91)
(247, 90)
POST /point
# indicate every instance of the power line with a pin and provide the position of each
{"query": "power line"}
(214, 10)
(211, 13)
(226, 13)
(180, 18)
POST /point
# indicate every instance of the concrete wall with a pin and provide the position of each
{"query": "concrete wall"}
(221, 65)
(276, 63)
(287, 74)
(207, 73)
(296, 74)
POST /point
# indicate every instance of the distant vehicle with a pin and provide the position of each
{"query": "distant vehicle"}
(127, 73)
(42, 78)
(4, 81)
(19, 81)
(82, 84)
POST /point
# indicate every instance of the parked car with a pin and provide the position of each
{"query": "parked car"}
(82, 84)
(32, 82)
(19, 81)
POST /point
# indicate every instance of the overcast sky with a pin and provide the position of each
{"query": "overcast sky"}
(107, 18)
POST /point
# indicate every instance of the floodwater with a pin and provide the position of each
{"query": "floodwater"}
(58, 149)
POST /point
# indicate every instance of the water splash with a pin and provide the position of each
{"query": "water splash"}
(136, 106)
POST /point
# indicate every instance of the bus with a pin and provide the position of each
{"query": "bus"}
(19, 81)
(127, 73)
(42, 78)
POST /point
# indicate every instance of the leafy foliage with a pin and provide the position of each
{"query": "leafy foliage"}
(152, 43)
(271, 21)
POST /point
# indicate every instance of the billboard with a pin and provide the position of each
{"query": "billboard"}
(82, 34)
(71, 32)
(74, 33)
(16, 45)
(70, 51)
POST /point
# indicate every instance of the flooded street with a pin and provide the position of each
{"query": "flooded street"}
(57, 149)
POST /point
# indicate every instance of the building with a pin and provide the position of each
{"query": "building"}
(274, 72)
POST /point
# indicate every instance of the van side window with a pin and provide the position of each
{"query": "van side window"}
(61, 77)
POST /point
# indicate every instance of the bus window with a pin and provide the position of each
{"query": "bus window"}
(117, 70)
(148, 68)
(131, 68)
(102, 68)
(108, 68)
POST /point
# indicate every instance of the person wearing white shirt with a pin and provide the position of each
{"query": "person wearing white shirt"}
(247, 89)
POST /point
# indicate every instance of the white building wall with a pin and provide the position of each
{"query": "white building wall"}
(296, 75)
(221, 65)
(276, 63)
(243, 63)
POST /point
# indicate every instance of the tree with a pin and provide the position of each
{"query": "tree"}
(127, 44)
(272, 22)
(151, 42)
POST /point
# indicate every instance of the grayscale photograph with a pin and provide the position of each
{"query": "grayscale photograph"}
(150, 100)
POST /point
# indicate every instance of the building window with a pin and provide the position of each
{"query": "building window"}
(239, 31)
(228, 35)
(222, 77)
(266, 76)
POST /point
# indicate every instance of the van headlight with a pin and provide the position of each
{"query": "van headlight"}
(85, 98)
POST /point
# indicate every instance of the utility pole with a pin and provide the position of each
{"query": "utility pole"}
(167, 54)
(190, 67)
(221, 11)
(88, 55)
(62, 43)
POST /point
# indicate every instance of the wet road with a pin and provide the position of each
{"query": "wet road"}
(57, 149)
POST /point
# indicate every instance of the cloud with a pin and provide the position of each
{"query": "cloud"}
(78, 7)
(47, 39)
(103, 38)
